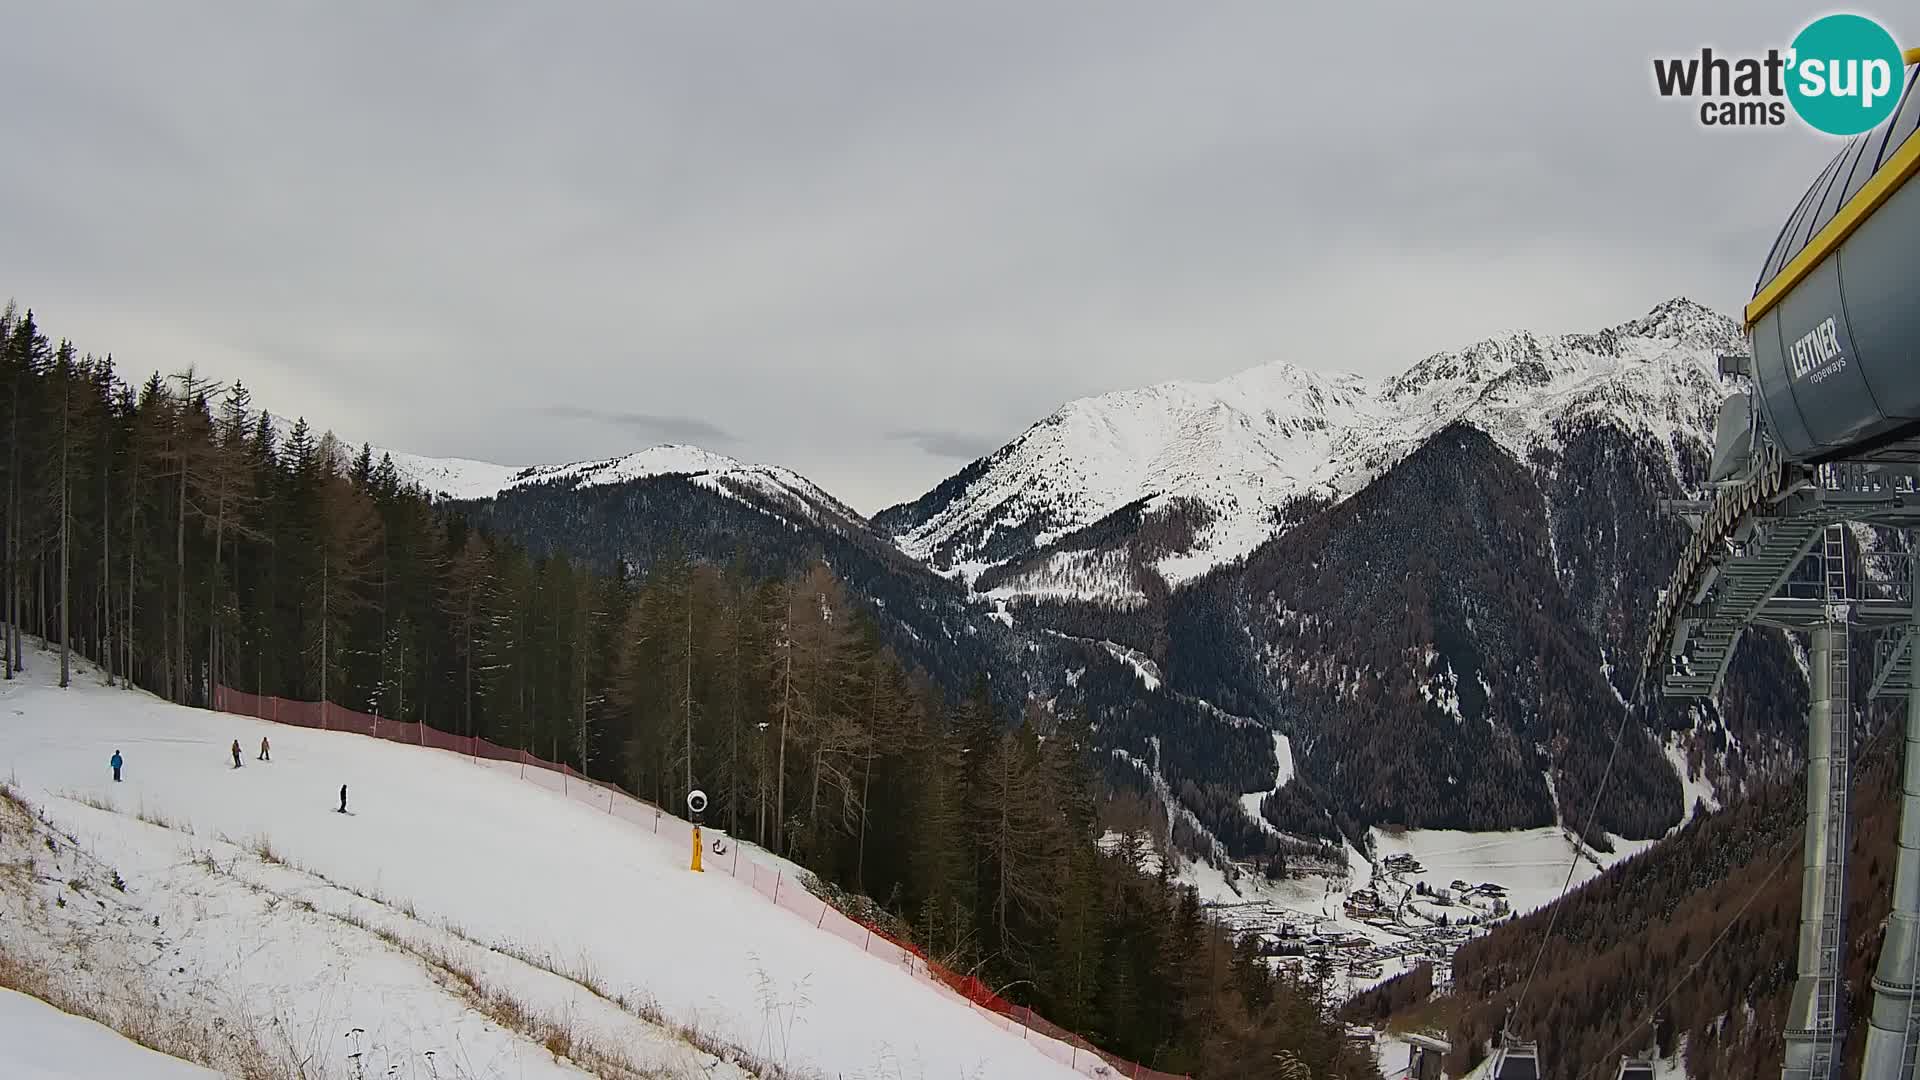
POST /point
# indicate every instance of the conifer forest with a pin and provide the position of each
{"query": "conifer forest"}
(176, 535)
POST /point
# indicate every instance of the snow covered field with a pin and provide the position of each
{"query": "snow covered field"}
(1530, 864)
(454, 858)
(42, 1043)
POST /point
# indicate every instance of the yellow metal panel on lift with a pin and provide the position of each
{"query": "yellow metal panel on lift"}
(1889, 179)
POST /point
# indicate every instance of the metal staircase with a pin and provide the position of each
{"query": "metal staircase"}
(1737, 590)
(1729, 515)
(1893, 667)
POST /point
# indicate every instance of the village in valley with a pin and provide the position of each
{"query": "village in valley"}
(1353, 938)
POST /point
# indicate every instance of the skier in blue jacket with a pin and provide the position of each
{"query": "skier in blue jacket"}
(116, 766)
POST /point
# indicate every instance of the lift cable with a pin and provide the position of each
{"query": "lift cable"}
(1626, 714)
(1872, 744)
(1654, 1012)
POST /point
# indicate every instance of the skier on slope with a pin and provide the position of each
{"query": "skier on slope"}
(263, 749)
(116, 766)
(236, 753)
(343, 798)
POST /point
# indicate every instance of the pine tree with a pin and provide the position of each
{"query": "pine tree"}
(225, 492)
(347, 545)
(106, 391)
(190, 451)
(69, 401)
(469, 592)
(27, 355)
(1022, 838)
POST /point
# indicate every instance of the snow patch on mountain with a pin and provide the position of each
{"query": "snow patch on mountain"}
(1695, 788)
(1283, 765)
(1071, 575)
(1143, 666)
(763, 485)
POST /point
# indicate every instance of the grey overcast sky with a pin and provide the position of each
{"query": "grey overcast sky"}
(866, 240)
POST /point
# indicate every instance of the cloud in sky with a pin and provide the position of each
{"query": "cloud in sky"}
(644, 426)
(818, 226)
(952, 445)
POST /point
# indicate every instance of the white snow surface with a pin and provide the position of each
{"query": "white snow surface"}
(460, 478)
(1693, 788)
(1143, 666)
(1244, 445)
(1391, 1055)
(453, 478)
(468, 844)
(39, 1042)
(1283, 759)
(1530, 864)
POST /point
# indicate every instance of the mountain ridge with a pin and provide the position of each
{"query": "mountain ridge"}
(1243, 448)
(1046, 560)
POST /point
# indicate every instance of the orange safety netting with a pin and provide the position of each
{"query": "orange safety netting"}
(770, 882)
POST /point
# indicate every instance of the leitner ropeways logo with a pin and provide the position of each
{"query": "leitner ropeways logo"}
(1843, 75)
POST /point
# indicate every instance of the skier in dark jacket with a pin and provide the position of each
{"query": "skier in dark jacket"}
(236, 753)
(343, 798)
(116, 766)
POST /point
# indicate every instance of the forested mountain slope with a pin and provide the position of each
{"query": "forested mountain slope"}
(1441, 643)
(1446, 575)
(1437, 582)
(1723, 894)
(767, 530)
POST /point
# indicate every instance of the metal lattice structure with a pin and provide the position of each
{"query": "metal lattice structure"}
(1825, 439)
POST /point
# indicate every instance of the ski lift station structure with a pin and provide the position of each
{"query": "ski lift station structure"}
(1823, 437)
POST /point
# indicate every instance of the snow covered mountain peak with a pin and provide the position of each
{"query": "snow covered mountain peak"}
(1235, 448)
(1687, 324)
(1227, 458)
(464, 479)
(1655, 376)
(667, 459)
(1677, 326)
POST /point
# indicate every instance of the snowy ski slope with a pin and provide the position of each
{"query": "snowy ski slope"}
(43, 1043)
(507, 862)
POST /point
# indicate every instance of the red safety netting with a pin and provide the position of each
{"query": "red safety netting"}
(771, 882)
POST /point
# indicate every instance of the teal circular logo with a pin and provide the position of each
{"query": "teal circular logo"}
(1845, 75)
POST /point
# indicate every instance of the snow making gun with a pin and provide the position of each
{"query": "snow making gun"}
(696, 805)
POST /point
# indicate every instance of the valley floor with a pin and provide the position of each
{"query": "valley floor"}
(1528, 868)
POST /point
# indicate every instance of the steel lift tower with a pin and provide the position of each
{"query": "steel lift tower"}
(1825, 439)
